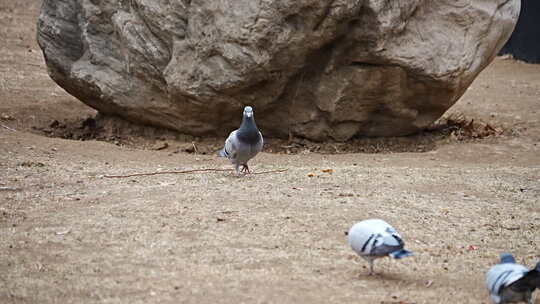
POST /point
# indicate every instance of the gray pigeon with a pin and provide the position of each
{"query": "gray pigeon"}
(243, 144)
(375, 238)
(509, 282)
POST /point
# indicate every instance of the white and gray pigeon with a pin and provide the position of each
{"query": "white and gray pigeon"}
(375, 238)
(243, 144)
(509, 282)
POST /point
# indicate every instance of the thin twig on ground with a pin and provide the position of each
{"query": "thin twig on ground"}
(271, 171)
(9, 189)
(167, 172)
(6, 127)
(188, 171)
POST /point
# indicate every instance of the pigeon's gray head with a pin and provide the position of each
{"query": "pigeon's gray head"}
(248, 111)
(507, 258)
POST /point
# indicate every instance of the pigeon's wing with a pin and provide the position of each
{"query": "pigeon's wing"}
(502, 275)
(361, 240)
(365, 235)
(231, 146)
(375, 237)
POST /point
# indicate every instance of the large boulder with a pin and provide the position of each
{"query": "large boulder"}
(319, 69)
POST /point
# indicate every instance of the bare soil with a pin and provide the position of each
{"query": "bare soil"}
(460, 194)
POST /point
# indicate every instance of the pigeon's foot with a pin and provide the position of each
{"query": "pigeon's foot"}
(245, 169)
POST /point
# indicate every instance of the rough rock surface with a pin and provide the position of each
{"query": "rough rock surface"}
(329, 69)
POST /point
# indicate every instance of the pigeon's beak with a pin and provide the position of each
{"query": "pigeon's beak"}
(249, 114)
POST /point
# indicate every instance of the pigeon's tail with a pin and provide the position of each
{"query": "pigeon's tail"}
(400, 254)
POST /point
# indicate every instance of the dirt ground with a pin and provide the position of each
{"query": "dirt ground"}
(69, 234)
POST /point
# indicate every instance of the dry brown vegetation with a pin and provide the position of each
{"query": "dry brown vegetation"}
(460, 194)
